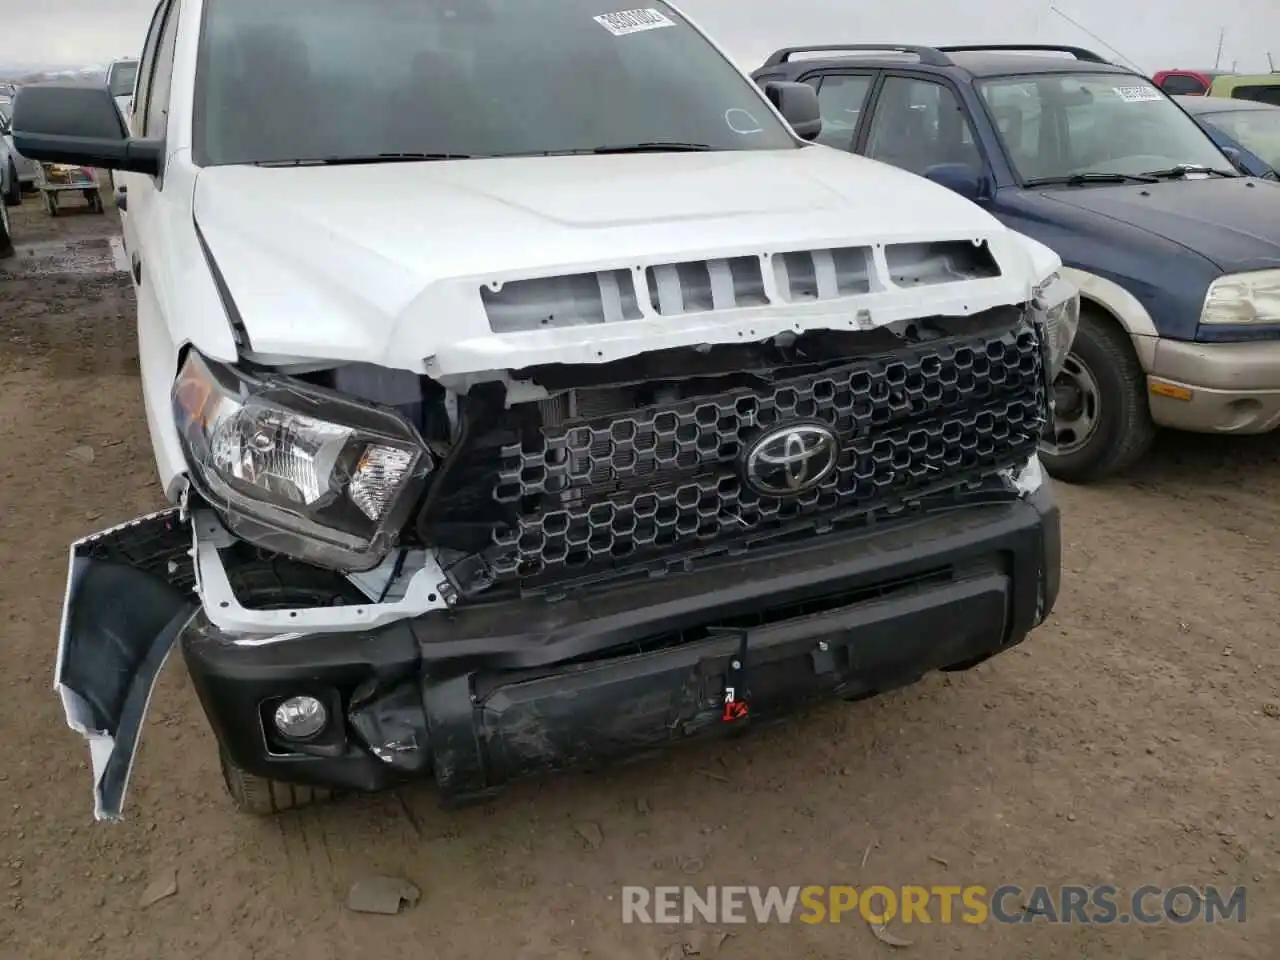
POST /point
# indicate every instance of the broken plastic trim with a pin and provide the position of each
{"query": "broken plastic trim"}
(426, 590)
(119, 623)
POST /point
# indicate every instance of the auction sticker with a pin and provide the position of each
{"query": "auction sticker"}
(633, 21)
(1143, 94)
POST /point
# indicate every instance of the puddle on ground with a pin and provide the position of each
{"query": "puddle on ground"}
(67, 309)
(93, 256)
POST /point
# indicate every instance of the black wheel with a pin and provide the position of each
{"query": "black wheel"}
(1102, 424)
(6, 237)
(51, 204)
(264, 798)
(266, 583)
(13, 196)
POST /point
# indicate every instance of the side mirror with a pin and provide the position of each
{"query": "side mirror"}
(960, 178)
(798, 104)
(79, 124)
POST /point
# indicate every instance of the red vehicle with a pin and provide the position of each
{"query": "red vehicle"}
(1190, 83)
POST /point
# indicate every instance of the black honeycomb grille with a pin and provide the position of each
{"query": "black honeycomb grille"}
(659, 481)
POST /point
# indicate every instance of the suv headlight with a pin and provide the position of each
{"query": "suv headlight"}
(298, 469)
(1058, 300)
(1243, 298)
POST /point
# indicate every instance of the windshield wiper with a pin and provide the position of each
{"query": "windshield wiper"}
(1181, 170)
(653, 146)
(367, 158)
(1080, 179)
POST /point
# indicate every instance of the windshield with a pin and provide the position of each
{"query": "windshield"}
(1059, 125)
(1258, 131)
(120, 79)
(311, 79)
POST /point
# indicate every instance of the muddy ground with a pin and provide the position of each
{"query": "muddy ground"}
(1134, 739)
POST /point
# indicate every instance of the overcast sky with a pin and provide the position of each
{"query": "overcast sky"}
(1154, 33)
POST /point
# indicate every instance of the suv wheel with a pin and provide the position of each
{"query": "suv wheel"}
(1102, 424)
(13, 196)
(271, 583)
(6, 237)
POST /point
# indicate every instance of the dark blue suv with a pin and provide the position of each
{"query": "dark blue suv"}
(1176, 254)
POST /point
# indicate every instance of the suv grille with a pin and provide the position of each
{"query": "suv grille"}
(591, 493)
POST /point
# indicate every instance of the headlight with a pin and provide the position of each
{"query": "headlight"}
(1243, 298)
(1059, 302)
(298, 469)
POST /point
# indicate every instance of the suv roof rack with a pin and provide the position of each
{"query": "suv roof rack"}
(928, 55)
(1080, 53)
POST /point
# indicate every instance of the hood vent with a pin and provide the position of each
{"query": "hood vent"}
(732, 283)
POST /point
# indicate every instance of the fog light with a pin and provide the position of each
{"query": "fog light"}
(300, 718)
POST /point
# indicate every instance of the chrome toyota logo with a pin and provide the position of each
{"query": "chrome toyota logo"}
(791, 459)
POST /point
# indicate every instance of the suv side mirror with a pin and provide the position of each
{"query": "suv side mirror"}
(960, 178)
(798, 104)
(79, 124)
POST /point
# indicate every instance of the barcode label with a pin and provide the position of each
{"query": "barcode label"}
(633, 21)
(1143, 94)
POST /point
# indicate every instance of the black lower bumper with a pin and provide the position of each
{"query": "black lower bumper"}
(482, 696)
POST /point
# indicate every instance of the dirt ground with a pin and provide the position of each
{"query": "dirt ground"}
(1134, 739)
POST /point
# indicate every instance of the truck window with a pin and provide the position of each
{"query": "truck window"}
(1180, 84)
(1261, 92)
(310, 79)
(121, 77)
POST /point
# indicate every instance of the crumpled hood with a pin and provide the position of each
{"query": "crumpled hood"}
(384, 263)
(1235, 223)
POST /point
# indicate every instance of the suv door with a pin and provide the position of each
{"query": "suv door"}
(842, 101)
(919, 122)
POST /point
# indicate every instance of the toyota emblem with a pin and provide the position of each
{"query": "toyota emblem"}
(791, 459)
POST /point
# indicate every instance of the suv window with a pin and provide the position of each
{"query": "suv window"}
(1182, 85)
(162, 79)
(841, 98)
(333, 79)
(147, 65)
(919, 124)
(1056, 125)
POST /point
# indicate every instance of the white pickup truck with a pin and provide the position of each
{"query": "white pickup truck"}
(551, 399)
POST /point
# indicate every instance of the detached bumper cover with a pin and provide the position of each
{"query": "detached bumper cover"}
(124, 607)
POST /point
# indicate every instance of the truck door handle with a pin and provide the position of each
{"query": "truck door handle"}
(137, 269)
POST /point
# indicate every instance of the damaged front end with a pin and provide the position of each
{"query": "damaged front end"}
(480, 575)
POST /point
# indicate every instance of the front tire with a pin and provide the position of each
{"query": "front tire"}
(6, 237)
(261, 797)
(276, 583)
(1102, 424)
(13, 196)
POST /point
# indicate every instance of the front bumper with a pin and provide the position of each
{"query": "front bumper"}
(1215, 387)
(481, 696)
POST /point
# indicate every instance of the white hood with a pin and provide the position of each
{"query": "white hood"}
(384, 263)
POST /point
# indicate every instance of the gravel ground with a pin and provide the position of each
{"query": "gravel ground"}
(1134, 739)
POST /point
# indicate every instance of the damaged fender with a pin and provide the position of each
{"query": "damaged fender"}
(129, 596)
